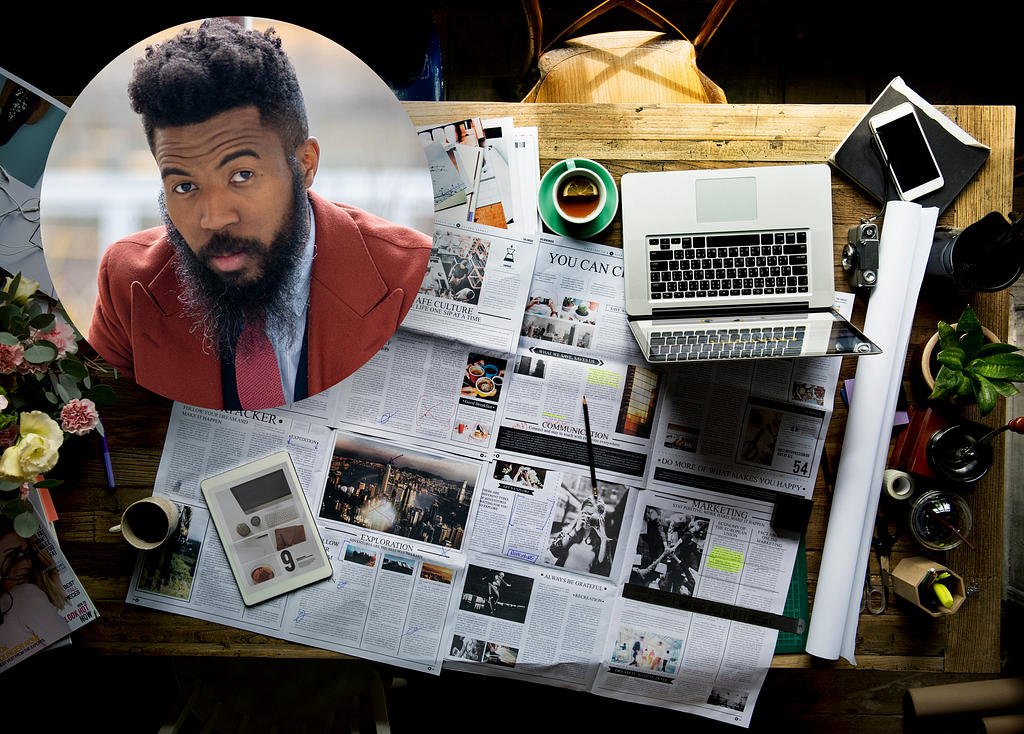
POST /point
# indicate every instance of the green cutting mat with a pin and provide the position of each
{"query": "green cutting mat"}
(796, 604)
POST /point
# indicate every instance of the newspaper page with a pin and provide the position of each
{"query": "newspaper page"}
(574, 342)
(694, 545)
(539, 623)
(747, 427)
(475, 285)
(537, 514)
(191, 575)
(41, 599)
(435, 394)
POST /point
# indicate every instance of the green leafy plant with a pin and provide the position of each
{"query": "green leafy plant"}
(47, 393)
(973, 370)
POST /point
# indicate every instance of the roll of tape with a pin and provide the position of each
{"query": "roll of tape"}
(898, 484)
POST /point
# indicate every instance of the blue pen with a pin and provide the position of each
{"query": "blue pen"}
(106, 457)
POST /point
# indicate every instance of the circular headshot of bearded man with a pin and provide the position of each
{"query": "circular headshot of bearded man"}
(267, 264)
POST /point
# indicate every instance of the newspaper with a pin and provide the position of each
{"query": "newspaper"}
(747, 427)
(451, 484)
(41, 599)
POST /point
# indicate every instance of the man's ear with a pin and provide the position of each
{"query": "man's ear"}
(308, 156)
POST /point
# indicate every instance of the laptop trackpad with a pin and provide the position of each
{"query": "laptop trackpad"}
(726, 199)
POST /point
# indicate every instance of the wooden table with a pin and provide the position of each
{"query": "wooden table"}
(624, 138)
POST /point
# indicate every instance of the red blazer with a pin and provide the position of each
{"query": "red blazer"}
(366, 274)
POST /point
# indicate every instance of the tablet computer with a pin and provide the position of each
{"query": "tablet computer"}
(266, 528)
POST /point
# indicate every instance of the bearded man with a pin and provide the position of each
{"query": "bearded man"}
(256, 292)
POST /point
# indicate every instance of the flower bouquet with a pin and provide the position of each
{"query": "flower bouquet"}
(46, 394)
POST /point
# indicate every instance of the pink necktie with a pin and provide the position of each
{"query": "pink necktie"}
(256, 373)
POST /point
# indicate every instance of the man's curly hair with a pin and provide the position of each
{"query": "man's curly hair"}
(220, 66)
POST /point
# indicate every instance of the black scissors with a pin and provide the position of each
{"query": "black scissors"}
(883, 542)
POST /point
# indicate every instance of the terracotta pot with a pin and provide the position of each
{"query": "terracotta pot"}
(930, 349)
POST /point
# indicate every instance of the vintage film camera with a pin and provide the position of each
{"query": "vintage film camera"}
(860, 256)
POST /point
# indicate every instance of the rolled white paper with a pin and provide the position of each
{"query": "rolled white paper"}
(903, 252)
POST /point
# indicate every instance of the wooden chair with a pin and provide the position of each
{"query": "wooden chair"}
(243, 695)
(622, 66)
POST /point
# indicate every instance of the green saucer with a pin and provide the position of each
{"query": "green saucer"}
(553, 219)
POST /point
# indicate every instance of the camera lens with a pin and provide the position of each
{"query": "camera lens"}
(849, 257)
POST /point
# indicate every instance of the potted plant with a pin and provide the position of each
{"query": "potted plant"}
(974, 368)
(567, 303)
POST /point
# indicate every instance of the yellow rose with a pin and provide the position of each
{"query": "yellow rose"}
(36, 450)
(26, 287)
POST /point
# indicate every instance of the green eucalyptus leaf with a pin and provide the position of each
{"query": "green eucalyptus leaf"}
(41, 352)
(49, 483)
(26, 525)
(74, 367)
(101, 395)
(70, 386)
(9, 339)
(44, 322)
(6, 486)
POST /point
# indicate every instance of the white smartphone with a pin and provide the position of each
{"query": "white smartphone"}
(906, 151)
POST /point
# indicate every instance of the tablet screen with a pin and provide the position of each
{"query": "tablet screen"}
(266, 528)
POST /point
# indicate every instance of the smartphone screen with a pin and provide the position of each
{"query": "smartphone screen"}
(908, 153)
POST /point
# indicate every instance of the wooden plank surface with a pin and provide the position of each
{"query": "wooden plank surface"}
(624, 138)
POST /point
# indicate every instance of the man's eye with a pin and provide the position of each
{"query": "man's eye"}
(183, 188)
(242, 176)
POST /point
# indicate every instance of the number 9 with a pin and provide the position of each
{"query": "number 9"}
(287, 560)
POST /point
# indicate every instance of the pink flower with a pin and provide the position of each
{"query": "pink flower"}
(62, 336)
(79, 416)
(9, 435)
(11, 357)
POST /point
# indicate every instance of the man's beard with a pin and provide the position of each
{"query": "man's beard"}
(217, 305)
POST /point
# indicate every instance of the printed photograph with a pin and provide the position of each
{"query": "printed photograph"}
(473, 430)
(808, 393)
(483, 377)
(759, 436)
(521, 475)
(639, 396)
(360, 556)
(584, 530)
(466, 648)
(682, 438)
(529, 365)
(669, 551)
(398, 491)
(495, 593)
(433, 572)
(495, 654)
(170, 569)
(736, 700)
(646, 650)
(398, 564)
(456, 268)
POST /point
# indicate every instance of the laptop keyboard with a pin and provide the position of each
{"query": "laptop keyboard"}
(712, 266)
(737, 343)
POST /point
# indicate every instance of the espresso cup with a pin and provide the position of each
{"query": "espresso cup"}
(578, 209)
(476, 371)
(148, 523)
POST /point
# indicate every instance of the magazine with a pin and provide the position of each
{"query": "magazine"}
(41, 599)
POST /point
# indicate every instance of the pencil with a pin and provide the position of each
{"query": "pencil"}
(590, 447)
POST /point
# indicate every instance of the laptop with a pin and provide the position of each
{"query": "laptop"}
(733, 264)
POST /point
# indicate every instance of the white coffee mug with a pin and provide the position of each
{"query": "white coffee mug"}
(574, 171)
(148, 523)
